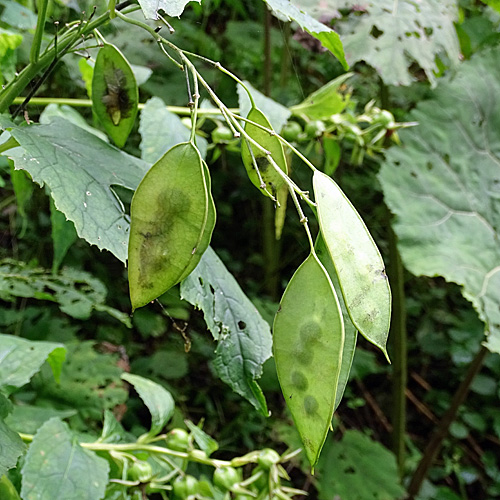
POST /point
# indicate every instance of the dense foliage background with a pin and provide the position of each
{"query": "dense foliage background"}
(432, 187)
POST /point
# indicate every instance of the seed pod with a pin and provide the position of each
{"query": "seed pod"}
(268, 173)
(308, 338)
(115, 95)
(169, 214)
(357, 261)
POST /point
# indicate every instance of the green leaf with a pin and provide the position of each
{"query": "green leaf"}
(308, 340)
(356, 258)
(244, 338)
(266, 171)
(56, 466)
(20, 359)
(158, 400)
(170, 211)
(8, 44)
(11, 444)
(28, 419)
(112, 430)
(392, 36)
(205, 442)
(350, 331)
(325, 102)
(80, 170)
(115, 95)
(358, 468)
(63, 235)
(7, 489)
(286, 11)
(23, 188)
(173, 8)
(161, 130)
(18, 16)
(276, 113)
(76, 292)
(444, 188)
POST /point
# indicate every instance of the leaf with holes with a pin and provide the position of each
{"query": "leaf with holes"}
(115, 95)
(244, 338)
(444, 187)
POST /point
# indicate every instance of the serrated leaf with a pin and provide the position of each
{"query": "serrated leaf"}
(284, 10)
(115, 95)
(158, 400)
(173, 8)
(276, 113)
(364, 470)
(357, 261)
(444, 187)
(11, 444)
(308, 340)
(78, 293)
(244, 338)
(161, 130)
(391, 36)
(20, 359)
(80, 170)
(56, 466)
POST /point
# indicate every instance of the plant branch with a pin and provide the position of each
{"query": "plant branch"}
(40, 27)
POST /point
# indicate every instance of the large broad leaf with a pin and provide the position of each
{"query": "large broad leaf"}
(444, 187)
(20, 359)
(357, 468)
(56, 466)
(80, 170)
(11, 444)
(78, 293)
(159, 401)
(284, 10)
(244, 338)
(173, 8)
(161, 130)
(391, 36)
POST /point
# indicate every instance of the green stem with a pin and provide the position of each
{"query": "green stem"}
(443, 428)
(398, 336)
(40, 27)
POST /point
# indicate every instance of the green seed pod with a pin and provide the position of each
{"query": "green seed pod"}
(308, 338)
(115, 95)
(268, 173)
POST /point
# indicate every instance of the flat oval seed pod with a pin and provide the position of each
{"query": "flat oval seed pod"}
(209, 226)
(356, 258)
(169, 213)
(350, 331)
(115, 95)
(272, 179)
(308, 338)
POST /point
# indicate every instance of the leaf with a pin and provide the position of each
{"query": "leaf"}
(20, 359)
(161, 130)
(7, 489)
(115, 95)
(444, 188)
(28, 419)
(308, 339)
(63, 235)
(362, 470)
(356, 258)
(205, 442)
(173, 8)
(350, 331)
(80, 170)
(284, 10)
(17, 15)
(276, 113)
(11, 444)
(112, 430)
(244, 337)
(76, 292)
(158, 400)
(23, 188)
(391, 36)
(56, 466)
(8, 44)
(266, 171)
(325, 102)
(169, 213)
